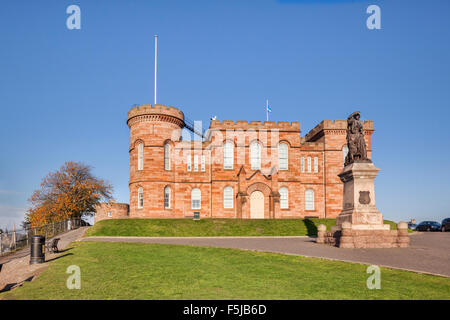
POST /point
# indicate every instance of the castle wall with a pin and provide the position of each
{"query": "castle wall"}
(156, 126)
(106, 211)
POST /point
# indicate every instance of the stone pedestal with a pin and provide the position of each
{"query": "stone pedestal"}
(360, 224)
(359, 197)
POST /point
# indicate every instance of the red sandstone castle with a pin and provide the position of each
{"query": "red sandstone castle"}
(249, 170)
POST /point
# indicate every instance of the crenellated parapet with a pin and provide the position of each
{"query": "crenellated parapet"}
(293, 126)
(157, 112)
(334, 127)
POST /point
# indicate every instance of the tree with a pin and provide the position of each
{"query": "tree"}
(70, 192)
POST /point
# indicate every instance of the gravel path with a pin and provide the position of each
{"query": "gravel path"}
(428, 253)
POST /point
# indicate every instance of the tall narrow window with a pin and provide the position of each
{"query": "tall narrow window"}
(309, 199)
(141, 156)
(316, 164)
(309, 164)
(188, 160)
(283, 156)
(167, 156)
(228, 197)
(344, 154)
(196, 198)
(255, 155)
(167, 192)
(140, 198)
(284, 198)
(203, 163)
(302, 164)
(196, 162)
(228, 155)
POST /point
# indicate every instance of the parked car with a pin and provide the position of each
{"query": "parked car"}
(412, 226)
(85, 223)
(428, 226)
(445, 225)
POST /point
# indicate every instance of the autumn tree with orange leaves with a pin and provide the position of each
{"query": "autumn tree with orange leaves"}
(70, 192)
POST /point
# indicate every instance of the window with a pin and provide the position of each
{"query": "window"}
(195, 162)
(309, 164)
(110, 214)
(283, 156)
(196, 198)
(167, 156)
(140, 198)
(228, 197)
(255, 155)
(302, 164)
(228, 155)
(309, 199)
(344, 154)
(167, 197)
(140, 156)
(284, 198)
(189, 165)
(316, 164)
(203, 163)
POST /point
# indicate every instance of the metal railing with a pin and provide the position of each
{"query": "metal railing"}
(14, 240)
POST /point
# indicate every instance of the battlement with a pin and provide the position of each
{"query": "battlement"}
(153, 111)
(256, 125)
(326, 125)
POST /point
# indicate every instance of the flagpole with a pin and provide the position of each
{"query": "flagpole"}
(156, 52)
(267, 109)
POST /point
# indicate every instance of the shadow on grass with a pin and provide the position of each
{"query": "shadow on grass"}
(311, 229)
(58, 257)
(10, 286)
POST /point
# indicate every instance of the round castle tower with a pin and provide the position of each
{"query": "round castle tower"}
(153, 129)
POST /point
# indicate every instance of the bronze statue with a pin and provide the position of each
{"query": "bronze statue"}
(355, 140)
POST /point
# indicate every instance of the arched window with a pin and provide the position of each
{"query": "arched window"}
(344, 154)
(309, 199)
(255, 155)
(167, 156)
(140, 156)
(228, 155)
(283, 156)
(196, 198)
(167, 192)
(284, 198)
(140, 198)
(228, 197)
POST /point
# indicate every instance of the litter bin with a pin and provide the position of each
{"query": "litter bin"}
(37, 250)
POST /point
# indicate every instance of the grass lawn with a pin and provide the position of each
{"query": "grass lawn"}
(209, 227)
(153, 271)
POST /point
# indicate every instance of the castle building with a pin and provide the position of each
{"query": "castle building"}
(248, 170)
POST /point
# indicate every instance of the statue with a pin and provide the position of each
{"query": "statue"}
(355, 140)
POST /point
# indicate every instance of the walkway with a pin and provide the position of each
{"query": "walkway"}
(429, 252)
(15, 268)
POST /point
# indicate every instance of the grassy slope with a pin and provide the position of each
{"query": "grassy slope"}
(208, 227)
(149, 271)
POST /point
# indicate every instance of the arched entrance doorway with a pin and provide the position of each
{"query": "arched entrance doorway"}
(257, 205)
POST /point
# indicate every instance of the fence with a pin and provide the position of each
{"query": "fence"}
(17, 239)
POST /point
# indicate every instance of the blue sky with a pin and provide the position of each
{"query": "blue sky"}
(64, 94)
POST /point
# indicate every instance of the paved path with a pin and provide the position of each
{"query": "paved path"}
(65, 239)
(429, 252)
(16, 268)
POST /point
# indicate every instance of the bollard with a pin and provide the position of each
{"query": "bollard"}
(37, 250)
